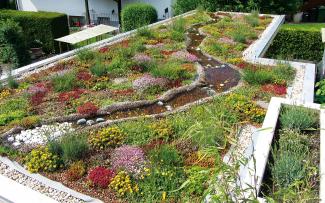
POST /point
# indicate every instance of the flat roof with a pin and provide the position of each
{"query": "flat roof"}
(87, 34)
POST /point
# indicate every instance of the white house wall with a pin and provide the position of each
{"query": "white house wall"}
(160, 6)
(70, 7)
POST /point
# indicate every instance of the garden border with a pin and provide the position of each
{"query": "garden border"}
(251, 174)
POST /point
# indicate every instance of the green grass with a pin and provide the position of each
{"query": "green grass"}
(304, 26)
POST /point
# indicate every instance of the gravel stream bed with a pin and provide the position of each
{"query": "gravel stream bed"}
(296, 92)
(22, 179)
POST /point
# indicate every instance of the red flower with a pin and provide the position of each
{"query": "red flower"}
(275, 89)
(68, 96)
(87, 108)
(84, 76)
(100, 176)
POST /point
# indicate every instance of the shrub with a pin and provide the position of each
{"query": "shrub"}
(42, 160)
(100, 177)
(99, 69)
(123, 185)
(298, 118)
(85, 55)
(258, 77)
(171, 70)
(13, 48)
(76, 171)
(183, 6)
(136, 15)
(297, 44)
(107, 137)
(74, 148)
(66, 82)
(128, 158)
(289, 159)
(87, 109)
(320, 91)
(42, 26)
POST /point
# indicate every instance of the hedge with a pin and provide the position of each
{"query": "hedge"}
(40, 26)
(13, 48)
(136, 15)
(297, 44)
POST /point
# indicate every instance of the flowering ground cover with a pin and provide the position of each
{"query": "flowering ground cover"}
(173, 159)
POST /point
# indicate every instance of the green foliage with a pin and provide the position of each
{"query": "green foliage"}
(253, 19)
(320, 92)
(298, 118)
(241, 33)
(8, 152)
(41, 26)
(99, 69)
(86, 55)
(297, 44)
(197, 180)
(13, 47)
(145, 32)
(171, 70)
(289, 165)
(74, 148)
(283, 74)
(136, 15)
(42, 160)
(65, 82)
(13, 110)
(183, 6)
(162, 129)
(12, 83)
(257, 77)
(107, 137)
(120, 64)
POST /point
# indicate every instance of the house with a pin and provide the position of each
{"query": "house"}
(100, 11)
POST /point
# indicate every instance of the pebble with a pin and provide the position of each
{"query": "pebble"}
(160, 103)
(81, 121)
(11, 139)
(169, 108)
(90, 122)
(100, 120)
(223, 66)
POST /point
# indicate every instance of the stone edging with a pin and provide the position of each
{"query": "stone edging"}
(254, 54)
(251, 174)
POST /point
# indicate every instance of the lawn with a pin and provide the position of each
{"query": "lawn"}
(66, 110)
(304, 26)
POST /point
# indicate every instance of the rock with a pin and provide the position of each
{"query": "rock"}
(223, 66)
(211, 92)
(99, 120)
(81, 121)
(160, 103)
(169, 108)
(198, 49)
(11, 139)
(90, 122)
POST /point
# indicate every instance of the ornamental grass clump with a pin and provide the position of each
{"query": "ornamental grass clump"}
(100, 177)
(107, 137)
(299, 118)
(42, 160)
(128, 158)
(123, 185)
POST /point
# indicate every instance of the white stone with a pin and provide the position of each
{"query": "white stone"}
(99, 120)
(169, 108)
(160, 103)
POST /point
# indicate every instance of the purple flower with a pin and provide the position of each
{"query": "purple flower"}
(147, 81)
(128, 158)
(142, 58)
(185, 56)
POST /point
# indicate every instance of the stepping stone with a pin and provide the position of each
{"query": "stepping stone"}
(160, 103)
(81, 121)
(100, 120)
(90, 122)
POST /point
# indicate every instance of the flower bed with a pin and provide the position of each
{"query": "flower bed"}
(170, 159)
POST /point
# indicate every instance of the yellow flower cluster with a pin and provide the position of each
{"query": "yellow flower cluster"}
(4, 94)
(152, 41)
(247, 108)
(123, 184)
(235, 60)
(42, 160)
(146, 172)
(107, 137)
(162, 129)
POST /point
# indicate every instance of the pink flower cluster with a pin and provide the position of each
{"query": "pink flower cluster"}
(147, 81)
(128, 158)
(185, 56)
(142, 58)
(39, 88)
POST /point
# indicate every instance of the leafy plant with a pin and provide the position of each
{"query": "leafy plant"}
(99, 69)
(257, 77)
(100, 177)
(320, 92)
(66, 82)
(85, 55)
(107, 137)
(42, 159)
(298, 118)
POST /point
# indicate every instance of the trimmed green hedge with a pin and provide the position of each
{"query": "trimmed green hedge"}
(137, 15)
(40, 26)
(297, 44)
(13, 48)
